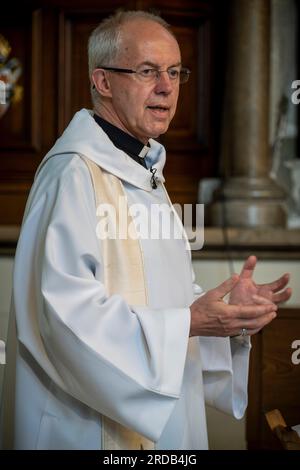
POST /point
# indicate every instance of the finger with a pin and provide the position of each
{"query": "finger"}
(244, 312)
(258, 299)
(250, 331)
(282, 296)
(259, 323)
(248, 268)
(224, 288)
(279, 284)
(255, 325)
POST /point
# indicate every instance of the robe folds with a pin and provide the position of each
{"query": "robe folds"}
(83, 354)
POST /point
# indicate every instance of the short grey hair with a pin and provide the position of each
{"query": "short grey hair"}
(105, 41)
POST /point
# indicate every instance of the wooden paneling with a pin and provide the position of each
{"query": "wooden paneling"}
(74, 30)
(50, 39)
(20, 128)
(274, 379)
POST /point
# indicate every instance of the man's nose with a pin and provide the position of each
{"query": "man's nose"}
(164, 84)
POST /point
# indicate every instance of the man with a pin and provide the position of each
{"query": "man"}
(117, 347)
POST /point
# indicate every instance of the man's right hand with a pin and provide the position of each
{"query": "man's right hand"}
(211, 316)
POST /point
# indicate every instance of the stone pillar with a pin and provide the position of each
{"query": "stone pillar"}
(248, 197)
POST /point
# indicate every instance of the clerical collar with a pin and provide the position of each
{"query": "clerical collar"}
(130, 145)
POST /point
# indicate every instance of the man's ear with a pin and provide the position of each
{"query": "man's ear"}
(101, 83)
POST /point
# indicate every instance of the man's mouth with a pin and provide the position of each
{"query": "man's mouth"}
(159, 108)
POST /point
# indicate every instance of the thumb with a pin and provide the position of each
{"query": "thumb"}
(248, 267)
(226, 286)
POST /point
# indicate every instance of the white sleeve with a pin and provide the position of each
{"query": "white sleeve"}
(225, 363)
(197, 290)
(125, 362)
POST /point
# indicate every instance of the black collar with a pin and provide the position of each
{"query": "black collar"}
(130, 145)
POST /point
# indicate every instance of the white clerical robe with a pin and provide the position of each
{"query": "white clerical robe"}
(82, 353)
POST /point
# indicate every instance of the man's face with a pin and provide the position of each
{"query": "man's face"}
(144, 109)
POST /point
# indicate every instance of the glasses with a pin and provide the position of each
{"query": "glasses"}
(148, 74)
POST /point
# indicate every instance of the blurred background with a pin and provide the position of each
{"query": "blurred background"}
(233, 146)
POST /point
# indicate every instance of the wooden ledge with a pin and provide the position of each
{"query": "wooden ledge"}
(267, 243)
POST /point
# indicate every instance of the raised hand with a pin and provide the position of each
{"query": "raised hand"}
(211, 316)
(246, 288)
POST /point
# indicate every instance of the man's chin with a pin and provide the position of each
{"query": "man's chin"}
(156, 133)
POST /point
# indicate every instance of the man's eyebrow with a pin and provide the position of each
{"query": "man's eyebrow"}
(156, 66)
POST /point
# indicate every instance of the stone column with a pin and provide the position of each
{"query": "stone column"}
(248, 197)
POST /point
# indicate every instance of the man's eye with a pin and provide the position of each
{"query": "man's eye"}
(173, 73)
(147, 72)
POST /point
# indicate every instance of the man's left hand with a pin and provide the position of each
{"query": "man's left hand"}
(246, 288)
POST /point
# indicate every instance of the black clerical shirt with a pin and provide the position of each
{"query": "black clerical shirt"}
(123, 141)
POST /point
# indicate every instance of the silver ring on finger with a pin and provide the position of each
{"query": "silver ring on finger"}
(244, 332)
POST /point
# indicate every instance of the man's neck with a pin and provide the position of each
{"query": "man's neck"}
(110, 116)
(124, 141)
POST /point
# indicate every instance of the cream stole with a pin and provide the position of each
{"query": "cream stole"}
(124, 275)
